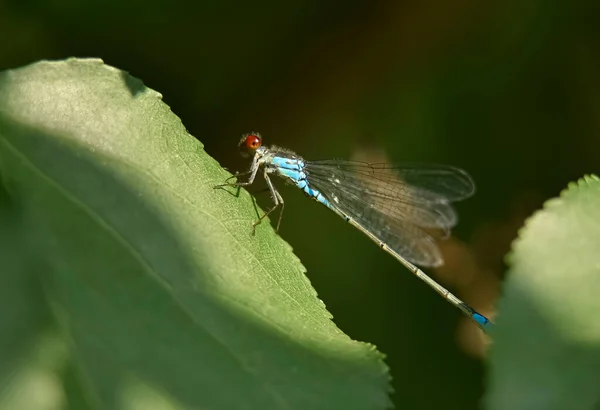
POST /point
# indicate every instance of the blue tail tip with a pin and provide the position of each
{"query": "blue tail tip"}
(482, 321)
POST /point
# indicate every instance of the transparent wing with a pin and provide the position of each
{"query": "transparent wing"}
(398, 204)
(433, 182)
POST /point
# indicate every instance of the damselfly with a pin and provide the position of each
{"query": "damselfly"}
(396, 206)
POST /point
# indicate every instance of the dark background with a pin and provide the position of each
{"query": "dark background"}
(508, 91)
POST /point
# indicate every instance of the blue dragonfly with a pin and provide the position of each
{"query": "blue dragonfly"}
(396, 206)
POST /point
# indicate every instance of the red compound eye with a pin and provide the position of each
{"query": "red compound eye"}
(251, 142)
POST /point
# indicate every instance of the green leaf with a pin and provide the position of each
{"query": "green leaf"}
(35, 382)
(164, 297)
(546, 351)
(23, 320)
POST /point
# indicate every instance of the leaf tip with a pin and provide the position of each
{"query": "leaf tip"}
(588, 180)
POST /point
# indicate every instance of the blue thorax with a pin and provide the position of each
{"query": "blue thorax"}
(293, 170)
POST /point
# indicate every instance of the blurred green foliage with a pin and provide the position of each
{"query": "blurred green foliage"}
(546, 351)
(507, 91)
